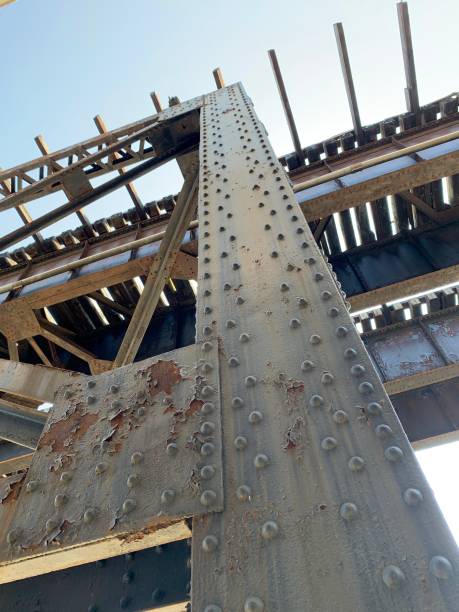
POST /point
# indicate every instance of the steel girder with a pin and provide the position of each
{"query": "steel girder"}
(326, 507)
(303, 488)
(148, 579)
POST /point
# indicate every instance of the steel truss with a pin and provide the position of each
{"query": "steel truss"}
(273, 433)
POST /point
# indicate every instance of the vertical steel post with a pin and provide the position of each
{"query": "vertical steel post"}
(348, 80)
(411, 90)
(326, 507)
(286, 106)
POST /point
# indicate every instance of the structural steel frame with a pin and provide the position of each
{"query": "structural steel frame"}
(272, 441)
(310, 441)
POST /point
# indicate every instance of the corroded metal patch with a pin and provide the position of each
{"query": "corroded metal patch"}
(122, 454)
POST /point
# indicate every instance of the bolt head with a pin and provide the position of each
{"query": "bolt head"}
(329, 443)
(207, 472)
(100, 468)
(207, 449)
(208, 498)
(374, 409)
(243, 493)
(308, 365)
(132, 480)
(255, 417)
(393, 577)
(129, 505)
(210, 544)
(357, 370)
(137, 457)
(207, 428)
(366, 388)
(393, 453)
(441, 567)
(269, 530)
(348, 511)
(250, 381)
(167, 497)
(383, 431)
(240, 442)
(413, 497)
(237, 402)
(253, 604)
(316, 401)
(340, 417)
(89, 515)
(172, 448)
(60, 500)
(261, 461)
(356, 464)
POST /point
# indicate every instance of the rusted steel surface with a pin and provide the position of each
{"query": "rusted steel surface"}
(325, 505)
(120, 457)
(416, 352)
(403, 352)
(445, 331)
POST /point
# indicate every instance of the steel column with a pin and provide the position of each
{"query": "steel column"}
(326, 507)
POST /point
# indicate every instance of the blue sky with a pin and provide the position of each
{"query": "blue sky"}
(65, 61)
(68, 61)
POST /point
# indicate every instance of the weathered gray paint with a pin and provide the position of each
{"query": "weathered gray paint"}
(120, 456)
(335, 513)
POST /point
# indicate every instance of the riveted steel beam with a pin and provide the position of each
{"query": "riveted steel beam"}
(151, 579)
(326, 507)
(123, 459)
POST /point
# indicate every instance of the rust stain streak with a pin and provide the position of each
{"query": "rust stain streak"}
(13, 490)
(62, 434)
(162, 376)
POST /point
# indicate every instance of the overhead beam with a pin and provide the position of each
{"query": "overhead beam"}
(35, 382)
(57, 179)
(112, 546)
(20, 429)
(411, 90)
(98, 192)
(48, 331)
(329, 174)
(132, 191)
(286, 106)
(22, 211)
(105, 301)
(18, 462)
(120, 139)
(44, 150)
(160, 271)
(380, 186)
(422, 379)
(21, 405)
(348, 80)
(83, 284)
(41, 354)
(404, 289)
